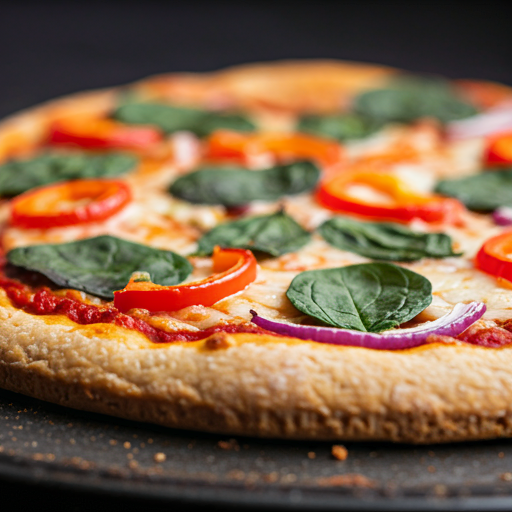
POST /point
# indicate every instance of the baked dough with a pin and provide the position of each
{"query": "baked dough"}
(252, 384)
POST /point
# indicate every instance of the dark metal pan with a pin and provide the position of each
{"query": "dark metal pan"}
(55, 446)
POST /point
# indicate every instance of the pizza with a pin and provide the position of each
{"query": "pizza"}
(302, 250)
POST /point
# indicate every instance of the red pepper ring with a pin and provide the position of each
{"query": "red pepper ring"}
(495, 256)
(499, 150)
(69, 203)
(90, 132)
(235, 270)
(405, 204)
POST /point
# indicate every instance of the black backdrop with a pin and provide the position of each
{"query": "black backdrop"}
(52, 48)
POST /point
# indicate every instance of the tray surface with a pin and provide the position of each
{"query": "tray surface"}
(52, 445)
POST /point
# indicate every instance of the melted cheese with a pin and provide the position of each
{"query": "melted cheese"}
(155, 218)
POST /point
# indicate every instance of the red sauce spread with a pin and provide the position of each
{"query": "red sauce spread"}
(43, 302)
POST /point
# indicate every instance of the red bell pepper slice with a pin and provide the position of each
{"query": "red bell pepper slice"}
(499, 150)
(89, 132)
(495, 256)
(224, 144)
(69, 203)
(234, 270)
(403, 204)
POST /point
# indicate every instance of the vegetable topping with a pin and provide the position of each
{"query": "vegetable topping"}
(411, 98)
(341, 126)
(385, 241)
(273, 234)
(495, 256)
(502, 216)
(18, 176)
(100, 265)
(403, 205)
(170, 119)
(237, 186)
(499, 149)
(234, 270)
(370, 297)
(451, 324)
(482, 192)
(69, 203)
(90, 132)
(284, 146)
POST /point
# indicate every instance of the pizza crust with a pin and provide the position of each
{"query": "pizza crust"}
(251, 384)
(261, 385)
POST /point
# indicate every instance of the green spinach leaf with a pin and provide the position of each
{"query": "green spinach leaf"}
(371, 297)
(482, 192)
(411, 98)
(273, 234)
(385, 241)
(170, 118)
(237, 186)
(341, 126)
(18, 176)
(100, 265)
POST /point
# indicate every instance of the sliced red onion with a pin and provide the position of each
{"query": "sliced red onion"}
(502, 216)
(451, 324)
(496, 120)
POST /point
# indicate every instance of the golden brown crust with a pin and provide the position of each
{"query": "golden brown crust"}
(262, 385)
(316, 85)
(251, 384)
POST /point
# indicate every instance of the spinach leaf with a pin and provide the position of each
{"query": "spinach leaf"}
(385, 241)
(482, 192)
(273, 234)
(371, 297)
(237, 186)
(18, 176)
(411, 98)
(100, 265)
(170, 118)
(341, 126)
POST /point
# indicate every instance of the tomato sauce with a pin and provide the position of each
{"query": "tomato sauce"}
(42, 301)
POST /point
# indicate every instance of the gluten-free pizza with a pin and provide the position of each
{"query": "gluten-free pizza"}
(304, 250)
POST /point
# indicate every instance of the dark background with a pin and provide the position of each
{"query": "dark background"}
(53, 48)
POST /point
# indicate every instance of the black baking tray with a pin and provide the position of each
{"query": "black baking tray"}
(53, 446)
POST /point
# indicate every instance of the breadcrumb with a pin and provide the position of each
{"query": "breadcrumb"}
(160, 457)
(339, 452)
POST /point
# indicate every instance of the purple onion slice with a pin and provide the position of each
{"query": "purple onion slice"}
(451, 324)
(496, 120)
(502, 216)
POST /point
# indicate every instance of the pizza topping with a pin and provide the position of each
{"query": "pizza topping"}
(411, 98)
(274, 234)
(495, 256)
(499, 148)
(170, 119)
(341, 126)
(451, 324)
(88, 132)
(69, 203)
(385, 241)
(395, 200)
(246, 148)
(482, 192)
(18, 176)
(100, 265)
(494, 121)
(234, 270)
(239, 186)
(502, 216)
(370, 297)
(44, 302)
